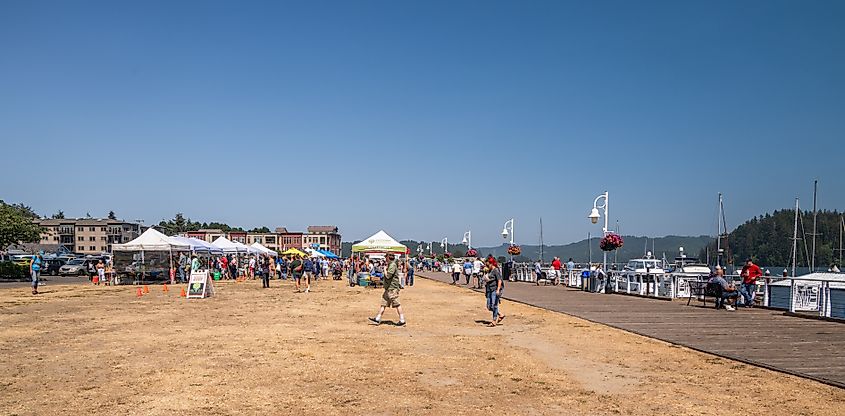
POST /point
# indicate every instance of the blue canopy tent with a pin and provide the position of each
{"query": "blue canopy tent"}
(328, 254)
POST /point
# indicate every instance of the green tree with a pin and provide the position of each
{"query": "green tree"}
(260, 230)
(112, 216)
(17, 225)
(59, 215)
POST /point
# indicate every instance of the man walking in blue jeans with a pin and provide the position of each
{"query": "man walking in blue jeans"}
(35, 271)
(493, 286)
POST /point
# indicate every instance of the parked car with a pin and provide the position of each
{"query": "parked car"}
(75, 267)
(52, 266)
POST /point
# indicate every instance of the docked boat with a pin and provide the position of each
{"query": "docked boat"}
(643, 277)
(684, 270)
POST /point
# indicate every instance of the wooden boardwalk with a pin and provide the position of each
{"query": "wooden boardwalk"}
(767, 338)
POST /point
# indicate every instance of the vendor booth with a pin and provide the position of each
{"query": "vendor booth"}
(375, 247)
(148, 257)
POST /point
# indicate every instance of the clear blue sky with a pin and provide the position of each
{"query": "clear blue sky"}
(423, 118)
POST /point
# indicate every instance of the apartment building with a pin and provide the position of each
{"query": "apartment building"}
(87, 235)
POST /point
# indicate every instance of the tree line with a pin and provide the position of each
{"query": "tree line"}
(767, 239)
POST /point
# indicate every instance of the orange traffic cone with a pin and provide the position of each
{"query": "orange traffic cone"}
(183, 294)
(165, 289)
(146, 289)
(139, 293)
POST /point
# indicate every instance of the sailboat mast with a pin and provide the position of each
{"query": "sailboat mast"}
(795, 239)
(815, 214)
(719, 234)
(541, 240)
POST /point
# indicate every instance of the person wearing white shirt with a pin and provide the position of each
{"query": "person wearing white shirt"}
(477, 265)
(456, 272)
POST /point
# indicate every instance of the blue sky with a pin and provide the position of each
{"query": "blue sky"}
(289, 114)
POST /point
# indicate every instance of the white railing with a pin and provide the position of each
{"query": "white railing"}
(808, 294)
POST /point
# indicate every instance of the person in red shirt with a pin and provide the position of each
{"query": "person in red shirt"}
(224, 265)
(750, 273)
(556, 265)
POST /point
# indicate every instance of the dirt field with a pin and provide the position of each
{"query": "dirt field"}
(81, 350)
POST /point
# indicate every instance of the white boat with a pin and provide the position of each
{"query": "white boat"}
(685, 270)
(643, 276)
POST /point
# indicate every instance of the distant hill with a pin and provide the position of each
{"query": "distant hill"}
(579, 251)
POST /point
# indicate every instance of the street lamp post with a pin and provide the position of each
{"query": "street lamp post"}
(445, 244)
(505, 233)
(467, 239)
(594, 218)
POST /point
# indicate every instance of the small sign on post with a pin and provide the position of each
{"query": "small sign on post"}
(200, 286)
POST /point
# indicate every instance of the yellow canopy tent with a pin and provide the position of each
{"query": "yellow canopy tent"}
(293, 252)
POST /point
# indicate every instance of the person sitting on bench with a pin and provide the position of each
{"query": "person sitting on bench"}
(728, 291)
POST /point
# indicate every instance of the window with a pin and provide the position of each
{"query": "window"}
(80, 248)
(103, 248)
(80, 228)
(92, 228)
(92, 248)
(80, 238)
(102, 228)
(56, 238)
(103, 238)
(92, 238)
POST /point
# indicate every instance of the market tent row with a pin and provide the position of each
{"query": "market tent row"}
(379, 242)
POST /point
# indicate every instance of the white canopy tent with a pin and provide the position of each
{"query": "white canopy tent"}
(314, 253)
(246, 248)
(152, 240)
(198, 245)
(379, 242)
(228, 246)
(264, 250)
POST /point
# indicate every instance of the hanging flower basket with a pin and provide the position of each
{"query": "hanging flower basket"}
(472, 253)
(514, 250)
(611, 242)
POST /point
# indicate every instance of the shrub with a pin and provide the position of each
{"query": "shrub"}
(10, 270)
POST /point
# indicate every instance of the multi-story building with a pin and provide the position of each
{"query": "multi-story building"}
(289, 239)
(323, 237)
(206, 234)
(87, 235)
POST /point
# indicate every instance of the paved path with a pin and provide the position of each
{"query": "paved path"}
(803, 347)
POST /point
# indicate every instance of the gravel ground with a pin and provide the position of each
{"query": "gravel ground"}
(80, 349)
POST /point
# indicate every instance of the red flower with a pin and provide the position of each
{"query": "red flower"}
(611, 242)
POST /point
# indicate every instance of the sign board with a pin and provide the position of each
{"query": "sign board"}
(200, 286)
(806, 296)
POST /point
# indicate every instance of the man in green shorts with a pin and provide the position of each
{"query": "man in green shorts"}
(392, 285)
(296, 271)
